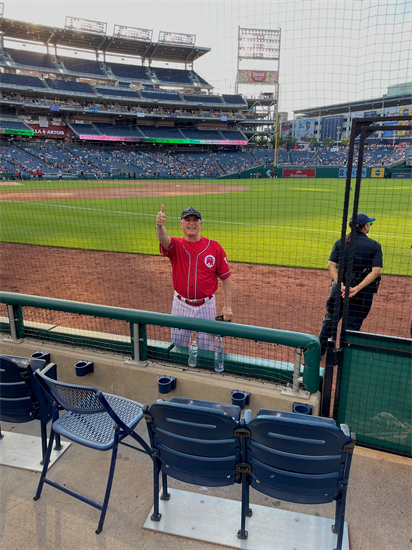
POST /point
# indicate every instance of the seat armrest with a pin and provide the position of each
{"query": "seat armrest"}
(50, 370)
(247, 416)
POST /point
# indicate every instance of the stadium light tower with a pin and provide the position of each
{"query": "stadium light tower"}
(260, 50)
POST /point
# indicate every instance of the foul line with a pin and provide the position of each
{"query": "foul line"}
(177, 218)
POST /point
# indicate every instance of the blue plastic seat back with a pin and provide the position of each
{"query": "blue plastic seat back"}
(77, 399)
(231, 410)
(296, 457)
(21, 398)
(195, 444)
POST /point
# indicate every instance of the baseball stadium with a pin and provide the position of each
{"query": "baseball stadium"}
(212, 225)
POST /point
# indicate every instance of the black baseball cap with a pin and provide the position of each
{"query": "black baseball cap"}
(362, 219)
(190, 212)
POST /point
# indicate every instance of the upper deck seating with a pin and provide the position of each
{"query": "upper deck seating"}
(70, 86)
(165, 133)
(120, 92)
(172, 76)
(13, 125)
(85, 66)
(202, 134)
(124, 130)
(31, 59)
(21, 80)
(132, 72)
(234, 100)
(216, 100)
(161, 96)
(88, 129)
(233, 135)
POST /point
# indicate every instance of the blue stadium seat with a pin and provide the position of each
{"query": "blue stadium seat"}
(195, 442)
(21, 80)
(234, 100)
(298, 458)
(203, 99)
(22, 399)
(32, 59)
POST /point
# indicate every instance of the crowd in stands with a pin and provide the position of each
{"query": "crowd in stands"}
(127, 107)
(50, 158)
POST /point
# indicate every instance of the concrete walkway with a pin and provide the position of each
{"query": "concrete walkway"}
(379, 505)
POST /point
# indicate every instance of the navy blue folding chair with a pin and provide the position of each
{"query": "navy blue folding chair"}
(22, 399)
(94, 419)
(298, 458)
(194, 441)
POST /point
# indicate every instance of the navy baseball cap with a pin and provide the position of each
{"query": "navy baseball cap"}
(362, 219)
(190, 212)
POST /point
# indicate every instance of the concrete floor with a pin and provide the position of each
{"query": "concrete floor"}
(379, 504)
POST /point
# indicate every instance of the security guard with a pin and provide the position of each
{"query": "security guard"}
(367, 266)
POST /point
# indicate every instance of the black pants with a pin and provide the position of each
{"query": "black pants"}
(359, 307)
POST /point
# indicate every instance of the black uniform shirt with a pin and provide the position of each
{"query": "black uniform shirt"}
(368, 254)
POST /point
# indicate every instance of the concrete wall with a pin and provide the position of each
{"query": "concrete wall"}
(113, 374)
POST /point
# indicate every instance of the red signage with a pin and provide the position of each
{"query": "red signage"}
(299, 173)
(51, 131)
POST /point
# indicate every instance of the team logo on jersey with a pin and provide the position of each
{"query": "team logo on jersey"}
(210, 261)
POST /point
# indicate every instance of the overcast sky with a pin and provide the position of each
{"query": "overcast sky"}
(331, 50)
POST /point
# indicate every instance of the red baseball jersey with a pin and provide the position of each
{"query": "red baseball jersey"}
(196, 266)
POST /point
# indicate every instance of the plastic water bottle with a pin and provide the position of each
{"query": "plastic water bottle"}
(193, 350)
(219, 366)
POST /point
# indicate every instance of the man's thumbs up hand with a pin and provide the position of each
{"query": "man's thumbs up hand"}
(161, 217)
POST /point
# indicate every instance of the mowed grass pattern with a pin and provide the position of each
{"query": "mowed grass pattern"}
(286, 222)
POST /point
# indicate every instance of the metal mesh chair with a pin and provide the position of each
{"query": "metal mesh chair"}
(22, 399)
(298, 458)
(94, 419)
(193, 441)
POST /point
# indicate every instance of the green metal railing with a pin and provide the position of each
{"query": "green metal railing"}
(306, 343)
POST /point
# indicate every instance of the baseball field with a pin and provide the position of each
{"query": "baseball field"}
(285, 222)
(95, 242)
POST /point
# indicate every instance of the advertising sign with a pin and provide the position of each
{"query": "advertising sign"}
(305, 129)
(343, 172)
(299, 173)
(332, 126)
(377, 173)
(405, 111)
(51, 131)
(257, 77)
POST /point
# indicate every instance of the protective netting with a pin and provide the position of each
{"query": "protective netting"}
(84, 228)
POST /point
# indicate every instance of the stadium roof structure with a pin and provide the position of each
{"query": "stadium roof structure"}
(99, 42)
(353, 106)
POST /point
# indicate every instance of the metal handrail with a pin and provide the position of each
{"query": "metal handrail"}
(307, 342)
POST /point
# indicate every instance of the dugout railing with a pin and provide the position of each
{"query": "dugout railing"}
(295, 375)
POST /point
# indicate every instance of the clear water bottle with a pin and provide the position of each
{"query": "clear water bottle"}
(219, 366)
(193, 351)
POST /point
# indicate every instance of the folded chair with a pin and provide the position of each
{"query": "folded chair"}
(298, 458)
(22, 399)
(94, 419)
(193, 441)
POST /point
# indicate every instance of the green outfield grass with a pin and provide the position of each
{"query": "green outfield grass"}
(287, 222)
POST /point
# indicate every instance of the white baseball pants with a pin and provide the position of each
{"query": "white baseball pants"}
(181, 337)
